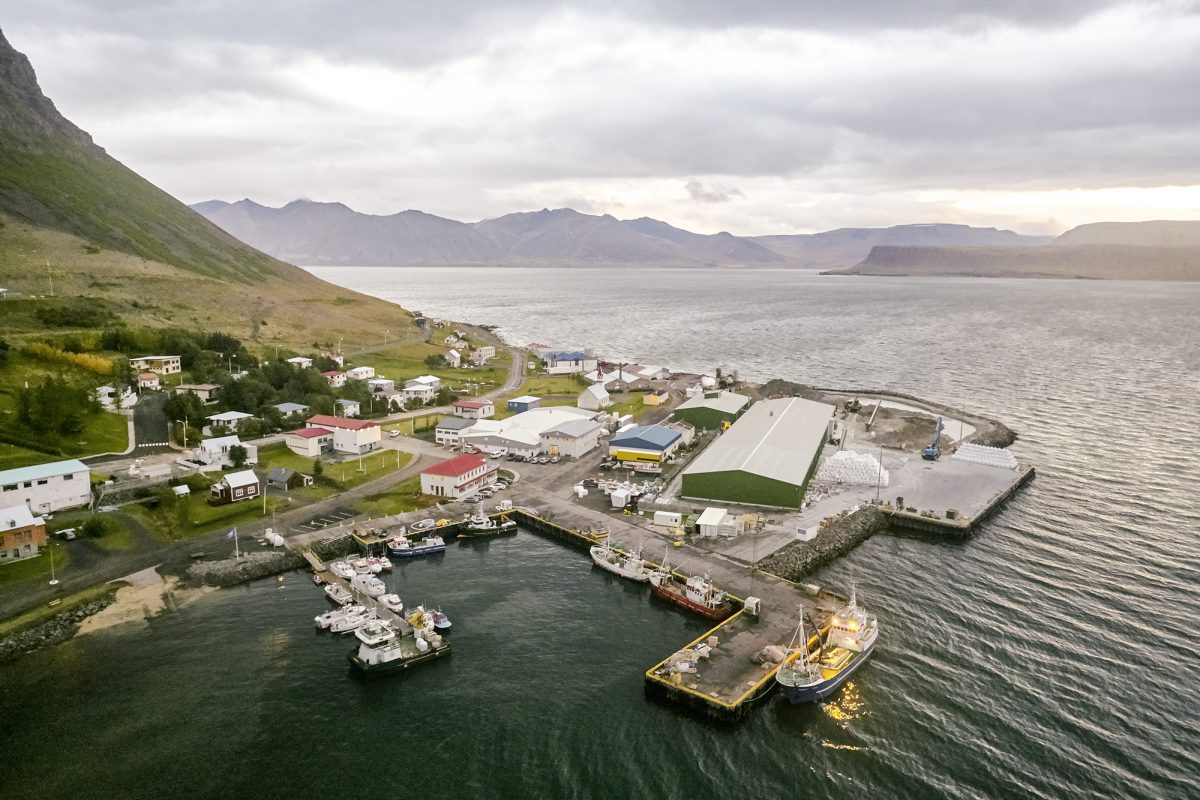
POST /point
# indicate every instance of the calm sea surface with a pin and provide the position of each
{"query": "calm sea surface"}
(1055, 655)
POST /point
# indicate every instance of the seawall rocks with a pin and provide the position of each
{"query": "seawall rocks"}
(801, 558)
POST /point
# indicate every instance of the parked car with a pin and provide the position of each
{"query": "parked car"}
(394, 434)
(67, 533)
(590, 483)
(555, 459)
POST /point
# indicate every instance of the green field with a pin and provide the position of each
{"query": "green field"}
(403, 497)
(407, 361)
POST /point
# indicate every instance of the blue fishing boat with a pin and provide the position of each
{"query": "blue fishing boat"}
(403, 547)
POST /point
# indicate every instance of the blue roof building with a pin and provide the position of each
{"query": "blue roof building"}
(645, 443)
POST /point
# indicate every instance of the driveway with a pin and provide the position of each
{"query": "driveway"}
(150, 428)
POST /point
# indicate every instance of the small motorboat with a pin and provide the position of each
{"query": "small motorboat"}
(423, 525)
(480, 524)
(380, 564)
(338, 593)
(440, 621)
(317, 579)
(342, 570)
(352, 621)
(391, 602)
(326, 620)
(363, 566)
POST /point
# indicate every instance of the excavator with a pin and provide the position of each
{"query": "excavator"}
(934, 451)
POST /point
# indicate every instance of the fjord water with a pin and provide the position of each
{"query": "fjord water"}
(1055, 654)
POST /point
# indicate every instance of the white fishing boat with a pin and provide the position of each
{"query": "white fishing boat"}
(342, 570)
(363, 566)
(338, 593)
(324, 621)
(369, 585)
(391, 602)
(352, 621)
(441, 622)
(380, 564)
(627, 564)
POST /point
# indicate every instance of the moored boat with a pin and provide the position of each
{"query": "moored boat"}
(326, 620)
(628, 565)
(338, 593)
(696, 594)
(407, 547)
(807, 676)
(374, 632)
(342, 570)
(441, 622)
(399, 653)
(369, 585)
(380, 564)
(352, 620)
(391, 602)
(479, 524)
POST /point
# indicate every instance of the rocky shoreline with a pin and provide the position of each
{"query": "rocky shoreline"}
(56, 629)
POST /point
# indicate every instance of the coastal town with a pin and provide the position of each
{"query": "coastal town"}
(747, 489)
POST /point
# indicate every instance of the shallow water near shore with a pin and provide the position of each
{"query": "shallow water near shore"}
(1053, 655)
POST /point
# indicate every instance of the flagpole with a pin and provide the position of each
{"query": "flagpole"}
(236, 553)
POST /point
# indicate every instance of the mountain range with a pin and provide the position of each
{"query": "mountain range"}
(312, 233)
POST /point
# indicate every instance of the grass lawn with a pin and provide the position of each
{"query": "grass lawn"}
(43, 613)
(116, 539)
(102, 432)
(27, 569)
(405, 496)
(543, 385)
(416, 425)
(407, 361)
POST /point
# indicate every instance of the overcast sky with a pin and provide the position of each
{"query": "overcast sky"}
(745, 116)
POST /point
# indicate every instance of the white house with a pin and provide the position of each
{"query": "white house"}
(474, 409)
(335, 379)
(487, 351)
(215, 452)
(230, 419)
(594, 398)
(148, 380)
(309, 442)
(432, 381)
(161, 365)
(107, 397)
(381, 385)
(450, 429)
(454, 358)
(458, 477)
(360, 373)
(654, 373)
(714, 522)
(354, 436)
(568, 362)
(46, 488)
(207, 392)
(300, 362)
(572, 438)
(416, 390)
(479, 359)
(349, 408)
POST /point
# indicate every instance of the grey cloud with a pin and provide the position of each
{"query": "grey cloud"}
(697, 191)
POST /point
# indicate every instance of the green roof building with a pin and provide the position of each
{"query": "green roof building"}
(710, 410)
(766, 458)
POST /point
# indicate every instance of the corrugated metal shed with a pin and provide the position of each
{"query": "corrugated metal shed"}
(776, 439)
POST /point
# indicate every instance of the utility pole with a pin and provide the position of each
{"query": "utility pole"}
(879, 477)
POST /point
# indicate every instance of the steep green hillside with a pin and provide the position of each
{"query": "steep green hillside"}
(76, 223)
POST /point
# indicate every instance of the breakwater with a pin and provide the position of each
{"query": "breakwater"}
(55, 629)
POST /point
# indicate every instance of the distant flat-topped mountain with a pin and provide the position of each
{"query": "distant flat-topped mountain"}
(308, 232)
(846, 246)
(1157, 250)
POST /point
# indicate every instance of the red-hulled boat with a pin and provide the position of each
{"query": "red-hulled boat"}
(695, 594)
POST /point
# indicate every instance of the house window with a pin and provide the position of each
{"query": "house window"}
(28, 484)
(43, 482)
(12, 487)
(68, 477)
